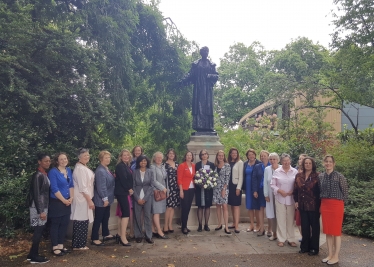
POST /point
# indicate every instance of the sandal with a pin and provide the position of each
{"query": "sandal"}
(292, 244)
(65, 250)
(58, 254)
(280, 244)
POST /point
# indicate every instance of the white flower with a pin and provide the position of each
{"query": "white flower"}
(197, 175)
(214, 179)
(205, 186)
(215, 184)
(199, 181)
(204, 171)
(208, 182)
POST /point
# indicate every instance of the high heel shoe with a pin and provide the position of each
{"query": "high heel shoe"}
(128, 244)
(261, 233)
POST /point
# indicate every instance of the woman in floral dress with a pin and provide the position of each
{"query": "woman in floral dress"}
(172, 201)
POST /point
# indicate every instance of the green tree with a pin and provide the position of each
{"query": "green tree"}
(354, 39)
(241, 72)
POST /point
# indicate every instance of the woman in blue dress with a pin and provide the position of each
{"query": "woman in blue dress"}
(248, 169)
(259, 202)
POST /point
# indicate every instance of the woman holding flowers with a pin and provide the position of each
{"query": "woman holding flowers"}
(185, 174)
(204, 197)
(221, 191)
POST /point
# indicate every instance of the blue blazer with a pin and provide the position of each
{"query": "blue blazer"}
(258, 177)
(103, 187)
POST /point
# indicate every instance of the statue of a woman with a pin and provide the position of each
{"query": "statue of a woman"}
(203, 76)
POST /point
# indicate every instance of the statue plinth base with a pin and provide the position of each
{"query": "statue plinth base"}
(212, 133)
(204, 140)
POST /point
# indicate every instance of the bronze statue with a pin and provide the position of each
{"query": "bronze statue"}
(203, 76)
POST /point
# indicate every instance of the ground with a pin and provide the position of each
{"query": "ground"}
(212, 248)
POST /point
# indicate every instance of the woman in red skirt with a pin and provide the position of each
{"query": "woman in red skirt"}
(333, 193)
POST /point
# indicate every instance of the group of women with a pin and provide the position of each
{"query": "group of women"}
(63, 195)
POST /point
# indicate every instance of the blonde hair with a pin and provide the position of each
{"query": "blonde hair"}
(103, 153)
(121, 154)
(329, 156)
(274, 155)
(264, 151)
(224, 157)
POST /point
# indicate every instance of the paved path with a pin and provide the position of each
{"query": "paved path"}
(212, 248)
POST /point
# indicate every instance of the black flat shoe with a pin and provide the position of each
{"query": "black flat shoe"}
(149, 240)
(155, 235)
(97, 244)
(301, 251)
(313, 252)
(236, 231)
(218, 228)
(206, 228)
(200, 228)
(138, 240)
(231, 227)
(188, 230)
(118, 238)
(165, 231)
(163, 237)
(171, 231)
(185, 231)
(227, 232)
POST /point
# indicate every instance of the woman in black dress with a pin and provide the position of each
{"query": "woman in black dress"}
(203, 197)
(173, 200)
(235, 186)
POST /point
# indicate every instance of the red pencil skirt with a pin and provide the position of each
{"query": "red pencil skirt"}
(332, 211)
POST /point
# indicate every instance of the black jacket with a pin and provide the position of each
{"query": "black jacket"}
(39, 191)
(124, 180)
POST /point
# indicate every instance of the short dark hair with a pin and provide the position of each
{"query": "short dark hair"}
(41, 155)
(184, 157)
(167, 153)
(201, 153)
(56, 156)
(204, 48)
(314, 165)
(140, 159)
(229, 159)
(133, 150)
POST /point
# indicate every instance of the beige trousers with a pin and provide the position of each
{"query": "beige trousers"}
(285, 220)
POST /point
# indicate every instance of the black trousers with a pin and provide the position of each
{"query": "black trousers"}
(310, 230)
(38, 233)
(186, 203)
(102, 215)
(59, 227)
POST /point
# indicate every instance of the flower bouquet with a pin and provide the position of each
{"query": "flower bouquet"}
(206, 179)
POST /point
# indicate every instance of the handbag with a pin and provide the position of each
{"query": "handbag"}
(159, 195)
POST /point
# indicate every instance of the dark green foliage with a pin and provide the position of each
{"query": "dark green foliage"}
(354, 159)
(95, 74)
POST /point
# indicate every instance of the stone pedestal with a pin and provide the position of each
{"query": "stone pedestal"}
(208, 141)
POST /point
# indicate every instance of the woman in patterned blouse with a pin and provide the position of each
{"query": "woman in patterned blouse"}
(334, 191)
(172, 201)
(306, 196)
